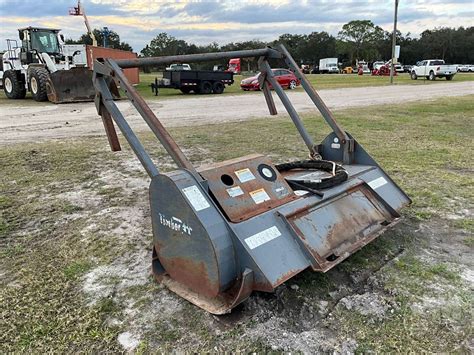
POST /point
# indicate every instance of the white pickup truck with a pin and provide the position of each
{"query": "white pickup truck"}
(432, 69)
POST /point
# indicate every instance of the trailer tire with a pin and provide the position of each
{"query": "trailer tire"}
(185, 90)
(449, 77)
(206, 88)
(13, 86)
(413, 76)
(218, 87)
(38, 77)
(432, 76)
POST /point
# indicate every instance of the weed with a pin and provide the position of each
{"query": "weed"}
(76, 269)
(466, 224)
(424, 271)
(469, 241)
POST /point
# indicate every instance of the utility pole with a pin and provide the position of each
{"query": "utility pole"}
(394, 42)
(105, 34)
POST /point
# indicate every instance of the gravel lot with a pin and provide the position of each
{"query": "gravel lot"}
(36, 122)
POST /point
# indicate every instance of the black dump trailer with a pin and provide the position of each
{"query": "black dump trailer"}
(197, 81)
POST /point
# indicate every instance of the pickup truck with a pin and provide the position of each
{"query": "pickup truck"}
(432, 69)
(175, 67)
(465, 68)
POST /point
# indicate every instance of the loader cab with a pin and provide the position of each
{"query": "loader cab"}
(36, 41)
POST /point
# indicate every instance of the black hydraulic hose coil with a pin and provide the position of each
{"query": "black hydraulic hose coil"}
(339, 174)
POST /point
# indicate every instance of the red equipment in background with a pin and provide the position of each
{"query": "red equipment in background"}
(234, 65)
(384, 70)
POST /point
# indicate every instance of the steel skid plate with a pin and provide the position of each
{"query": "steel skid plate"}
(193, 251)
(190, 237)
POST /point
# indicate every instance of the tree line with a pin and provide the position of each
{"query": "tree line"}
(112, 41)
(357, 40)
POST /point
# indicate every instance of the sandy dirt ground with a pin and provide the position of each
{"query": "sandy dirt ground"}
(20, 123)
(76, 272)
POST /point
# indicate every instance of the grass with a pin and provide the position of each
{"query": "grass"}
(407, 331)
(76, 269)
(319, 81)
(414, 326)
(425, 147)
(413, 267)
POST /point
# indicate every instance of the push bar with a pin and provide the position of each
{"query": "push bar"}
(109, 70)
(196, 58)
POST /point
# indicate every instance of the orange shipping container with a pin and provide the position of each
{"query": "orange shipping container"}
(101, 52)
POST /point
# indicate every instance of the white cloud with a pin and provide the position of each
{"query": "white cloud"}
(201, 22)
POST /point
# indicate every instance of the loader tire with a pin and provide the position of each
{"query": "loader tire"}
(13, 86)
(38, 77)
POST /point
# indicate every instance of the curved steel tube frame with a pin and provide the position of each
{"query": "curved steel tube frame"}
(108, 69)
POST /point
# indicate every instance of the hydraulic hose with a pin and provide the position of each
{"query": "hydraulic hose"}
(338, 174)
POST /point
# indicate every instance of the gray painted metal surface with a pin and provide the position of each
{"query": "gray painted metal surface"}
(222, 231)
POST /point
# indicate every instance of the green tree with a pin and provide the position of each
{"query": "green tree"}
(315, 46)
(164, 44)
(294, 44)
(113, 40)
(361, 37)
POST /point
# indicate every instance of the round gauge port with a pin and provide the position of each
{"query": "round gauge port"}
(267, 172)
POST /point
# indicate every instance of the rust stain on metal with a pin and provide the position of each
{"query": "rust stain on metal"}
(242, 207)
(286, 276)
(355, 224)
(191, 274)
(110, 130)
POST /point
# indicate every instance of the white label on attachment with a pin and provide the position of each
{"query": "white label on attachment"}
(259, 196)
(335, 146)
(196, 198)
(374, 184)
(301, 192)
(245, 175)
(263, 237)
(235, 191)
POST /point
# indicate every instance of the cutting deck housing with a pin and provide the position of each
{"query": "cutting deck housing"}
(225, 230)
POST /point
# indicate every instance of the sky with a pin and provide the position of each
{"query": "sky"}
(224, 21)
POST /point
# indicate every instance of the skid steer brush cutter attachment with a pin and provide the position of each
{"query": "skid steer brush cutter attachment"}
(74, 85)
(224, 230)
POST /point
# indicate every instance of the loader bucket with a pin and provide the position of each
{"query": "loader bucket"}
(225, 230)
(74, 85)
